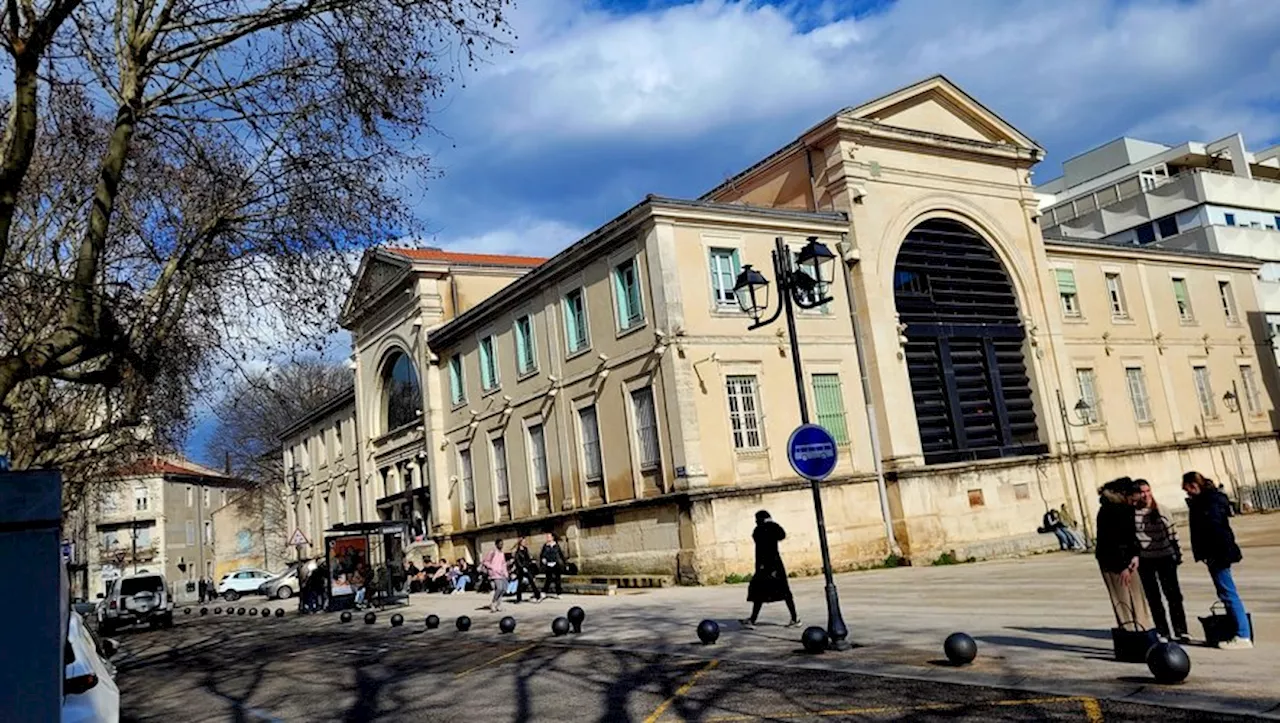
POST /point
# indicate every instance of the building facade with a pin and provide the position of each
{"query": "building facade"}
(615, 395)
(1218, 197)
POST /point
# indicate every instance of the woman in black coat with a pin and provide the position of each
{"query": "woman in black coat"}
(1214, 544)
(1117, 552)
(769, 583)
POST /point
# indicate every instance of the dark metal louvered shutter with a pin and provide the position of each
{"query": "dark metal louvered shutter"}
(964, 346)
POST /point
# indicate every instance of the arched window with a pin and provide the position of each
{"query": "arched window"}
(964, 346)
(401, 393)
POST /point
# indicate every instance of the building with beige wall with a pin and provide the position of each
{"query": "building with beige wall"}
(615, 395)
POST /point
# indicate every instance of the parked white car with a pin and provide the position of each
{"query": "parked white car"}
(89, 692)
(242, 582)
(135, 600)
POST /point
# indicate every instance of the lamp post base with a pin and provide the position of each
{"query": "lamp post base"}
(836, 630)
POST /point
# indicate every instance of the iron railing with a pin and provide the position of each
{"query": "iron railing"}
(1263, 496)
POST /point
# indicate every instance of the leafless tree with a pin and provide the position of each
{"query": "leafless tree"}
(174, 174)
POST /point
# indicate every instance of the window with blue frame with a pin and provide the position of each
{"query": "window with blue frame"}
(626, 287)
(488, 364)
(526, 355)
(457, 389)
(724, 274)
(575, 321)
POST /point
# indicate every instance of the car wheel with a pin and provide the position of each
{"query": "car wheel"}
(284, 593)
(231, 596)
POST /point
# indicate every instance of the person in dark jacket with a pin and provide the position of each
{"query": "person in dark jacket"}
(769, 583)
(554, 565)
(1117, 552)
(1214, 544)
(524, 571)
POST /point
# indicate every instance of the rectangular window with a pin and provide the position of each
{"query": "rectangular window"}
(1277, 219)
(1137, 384)
(224, 498)
(1067, 292)
(457, 390)
(1230, 218)
(1115, 292)
(1228, 300)
(538, 459)
(111, 502)
(498, 448)
(140, 499)
(526, 355)
(191, 532)
(324, 512)
(575, 321)
(342, 507)
(205, 495)
(1087, 385)
(1252, 396)
(337, 438)
(208, 532)
(191, 496)
(488, 364)
(1183, 299)
(465, 472)
(828, 404)
(646, 428)
(1145, 234)
(626, 286)
(592, 464)
(1168, 226)
(1204, 392)
(110, 539)
(724, 274)
(743, 411)
(144, 536)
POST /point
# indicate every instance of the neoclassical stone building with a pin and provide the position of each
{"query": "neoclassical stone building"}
(614, 394)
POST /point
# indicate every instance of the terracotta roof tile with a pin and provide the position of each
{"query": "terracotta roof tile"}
(457, 257)
(168, 466)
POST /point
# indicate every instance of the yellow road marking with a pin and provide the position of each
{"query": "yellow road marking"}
(495, 660)
(693, 680)
(883, 710)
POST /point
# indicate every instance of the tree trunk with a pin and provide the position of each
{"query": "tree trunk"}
(19, 144)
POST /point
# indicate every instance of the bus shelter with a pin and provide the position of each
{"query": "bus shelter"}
(368, 555)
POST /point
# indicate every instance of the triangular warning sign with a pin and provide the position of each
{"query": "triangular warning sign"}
(298, 538)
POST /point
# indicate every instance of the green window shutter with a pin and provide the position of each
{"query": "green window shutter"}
(620, 293)
(829, 404)
(1180, 292)
(455, 378)
(1066, 281)
(487, 377)
(522, 344)
(570, 324)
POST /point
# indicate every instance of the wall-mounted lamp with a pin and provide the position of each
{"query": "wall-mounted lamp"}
(1205, 340)
(1106, 342)
(1160, 347)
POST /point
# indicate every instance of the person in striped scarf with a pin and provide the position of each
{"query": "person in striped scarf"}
(1160, 557)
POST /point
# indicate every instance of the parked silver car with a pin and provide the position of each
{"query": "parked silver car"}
(283, 586)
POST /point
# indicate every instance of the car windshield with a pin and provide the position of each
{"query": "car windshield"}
(135, 585)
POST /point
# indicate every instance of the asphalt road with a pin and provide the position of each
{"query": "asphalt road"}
(316, 668)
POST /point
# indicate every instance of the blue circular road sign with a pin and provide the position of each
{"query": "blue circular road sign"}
(812, 452)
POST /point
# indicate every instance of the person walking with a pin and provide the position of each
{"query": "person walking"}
(1117, 553)
(203, 589)
(1159, 556)
(524, 572)
(553, 565)
(495, 564)
(1214, 544)
(769, 583)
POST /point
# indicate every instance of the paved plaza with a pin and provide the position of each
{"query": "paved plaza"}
(1041, 624)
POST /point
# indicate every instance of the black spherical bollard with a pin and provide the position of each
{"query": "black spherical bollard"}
(1168, 663)
(814, 639)
(204, 611)
(239, 611)
(253, 612)
(370, 618)
(433, 622)
(560, 626)
(186, 611)
(345, 616)
(708, 632)
(463, 623)
(576, 616)
(231, 611)
(397, 620)
(960, 648)
(507, 624)
(217, 610)
(279, 612)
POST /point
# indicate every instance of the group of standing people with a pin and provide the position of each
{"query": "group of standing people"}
(1139, 553)
(208, 591)
(504, 575)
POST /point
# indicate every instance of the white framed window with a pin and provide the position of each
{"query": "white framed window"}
(110, 539)
(1115, 294)
(1153, 176)
(466, 474)
(208, 532)
(191, 532)
(324, 513)
(538, 458)
(457, 382)
(205, 496)
(1068, 296)
(1137, 383)
(501, 483)
(744, 404)
(526, 352)
(141, 498)
(337, 438)
(724, 274)
(488, 364)
(143, 536)
(1182, 297)
(342, 507)
(646, 418)
(1228, 300)
(191, 496)
(592, 462)
(626, 289)
(1086, 383)
(224, 498)
(576, 332)
(1204, 392)
(1252, 395)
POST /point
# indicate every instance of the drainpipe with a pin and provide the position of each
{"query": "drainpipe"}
(868, 399)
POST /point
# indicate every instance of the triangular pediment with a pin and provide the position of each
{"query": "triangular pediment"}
(378, 272)
(938, 106)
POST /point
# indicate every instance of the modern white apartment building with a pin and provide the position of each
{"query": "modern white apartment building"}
(1217, 197)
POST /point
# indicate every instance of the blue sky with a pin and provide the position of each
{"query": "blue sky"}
(604, 102)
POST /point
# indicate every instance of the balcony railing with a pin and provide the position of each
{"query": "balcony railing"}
(1121, 190)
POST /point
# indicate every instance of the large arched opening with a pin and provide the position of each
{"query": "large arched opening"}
(964, 348)
(401, 392)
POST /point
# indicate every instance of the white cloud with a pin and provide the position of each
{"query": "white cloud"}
(523, 236)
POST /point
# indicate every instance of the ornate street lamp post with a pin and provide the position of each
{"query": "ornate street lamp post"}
(1232, 400)
(802, 284)
(1082, 410)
